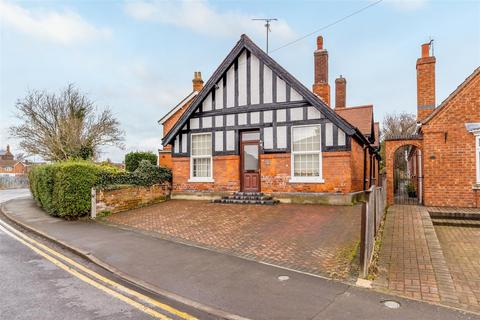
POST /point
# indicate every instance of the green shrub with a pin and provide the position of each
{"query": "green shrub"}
(148, 174)
(133, 159)
(73, 182)
(64, 188)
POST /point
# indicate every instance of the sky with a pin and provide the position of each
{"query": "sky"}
(138, 57)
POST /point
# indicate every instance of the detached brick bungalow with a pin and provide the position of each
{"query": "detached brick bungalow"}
(446, 153)
(254, 127)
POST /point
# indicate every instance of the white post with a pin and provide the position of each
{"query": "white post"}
(93, 212)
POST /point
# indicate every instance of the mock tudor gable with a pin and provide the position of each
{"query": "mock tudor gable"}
(250, 90)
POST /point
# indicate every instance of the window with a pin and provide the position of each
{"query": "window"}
(201, 158)
(306, 154)
(477, 142)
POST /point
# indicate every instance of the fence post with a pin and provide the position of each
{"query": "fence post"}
(93, 211)
(363, 237)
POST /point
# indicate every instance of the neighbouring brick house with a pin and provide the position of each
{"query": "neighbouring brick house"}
(254, 127)
(9, 166)
(445, 154)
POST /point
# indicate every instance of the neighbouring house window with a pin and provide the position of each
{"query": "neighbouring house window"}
(306, 154)
(201, 157)
(477, 141)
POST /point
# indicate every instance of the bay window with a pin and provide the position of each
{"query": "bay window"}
(306, 163)
(201, 158)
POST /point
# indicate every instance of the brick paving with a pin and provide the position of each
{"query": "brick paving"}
(311, 238)
(461, 248)
(414, 263)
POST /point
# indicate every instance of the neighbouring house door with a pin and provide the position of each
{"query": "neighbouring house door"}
(250, 171)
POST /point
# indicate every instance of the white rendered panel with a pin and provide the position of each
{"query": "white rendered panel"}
(268, 138)
(254, 117)
(230, 140)
(218, 140)
(281, 115)
(206, 122)
(194, 123)
(219, 95)
(184, 142)
(281, 137)
(207, 103)
(313, 113)
(329, 134)
(294, 95)
(281, 90)
(267, 85)
(242, 79)
(296, 114)
(341, 137)
(230, 120)
(254, 80)
(218, 121)
(267, 116)
(242, 119)
(176, 149)
(231, 87)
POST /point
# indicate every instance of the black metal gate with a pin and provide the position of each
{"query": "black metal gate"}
(407, 175)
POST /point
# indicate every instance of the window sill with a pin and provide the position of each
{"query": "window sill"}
(201, 180)
(476, 186)
(306, 180)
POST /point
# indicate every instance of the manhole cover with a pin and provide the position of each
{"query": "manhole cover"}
(283, 278)
(391, 304)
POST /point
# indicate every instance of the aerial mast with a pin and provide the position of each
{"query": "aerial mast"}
(267, 25)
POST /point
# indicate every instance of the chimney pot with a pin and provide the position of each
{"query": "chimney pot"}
(197, 81)
(319, 43)
(426, 50)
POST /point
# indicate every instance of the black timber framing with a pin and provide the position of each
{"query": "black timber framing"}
(292, 82)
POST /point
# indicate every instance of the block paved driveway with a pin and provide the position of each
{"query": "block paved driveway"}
(311, 238)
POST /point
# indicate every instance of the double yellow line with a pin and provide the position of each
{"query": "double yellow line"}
(96, 279)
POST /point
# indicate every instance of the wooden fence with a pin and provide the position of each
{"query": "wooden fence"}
(373, 209)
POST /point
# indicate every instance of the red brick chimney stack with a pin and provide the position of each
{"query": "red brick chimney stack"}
(425, 82)
(340, 93)
(197, 81)
(320, 85)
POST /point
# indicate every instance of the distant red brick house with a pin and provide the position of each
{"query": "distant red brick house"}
(254, 127)
(10, 166)
(446, 153)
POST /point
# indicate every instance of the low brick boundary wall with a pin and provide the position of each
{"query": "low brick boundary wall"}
(124, 198)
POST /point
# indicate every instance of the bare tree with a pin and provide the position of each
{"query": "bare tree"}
(398, 125)
(20, 156)
(61, 126)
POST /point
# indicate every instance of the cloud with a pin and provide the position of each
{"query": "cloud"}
(407, 4)
(61, 27)
(202, 18)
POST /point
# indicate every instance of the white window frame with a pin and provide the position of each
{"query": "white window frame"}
(477, 155)
(294, 179)
(200, 179)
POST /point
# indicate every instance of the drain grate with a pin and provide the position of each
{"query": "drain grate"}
(391, 304)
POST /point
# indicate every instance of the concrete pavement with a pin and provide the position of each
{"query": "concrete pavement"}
(227, 283)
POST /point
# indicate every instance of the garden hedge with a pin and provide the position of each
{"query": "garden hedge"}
(63, 188)
(133, 159)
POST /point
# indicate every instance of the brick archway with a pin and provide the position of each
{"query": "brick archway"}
(391, 146)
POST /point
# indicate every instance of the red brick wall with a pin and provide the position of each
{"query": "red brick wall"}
(275, 174)
(356, 165)
(449, 151)
(165, 157)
